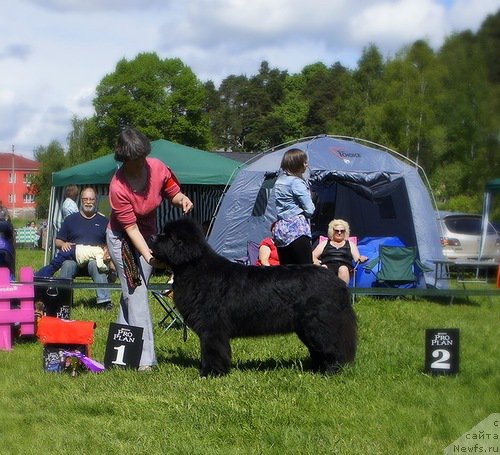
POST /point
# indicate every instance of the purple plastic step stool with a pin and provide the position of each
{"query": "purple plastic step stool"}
(16, 305)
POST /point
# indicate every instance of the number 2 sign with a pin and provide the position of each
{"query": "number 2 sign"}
(442, 351)
(124, 346)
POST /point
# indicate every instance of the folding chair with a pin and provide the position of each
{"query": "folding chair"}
(398, 266)
(252, 254)
(172, 318)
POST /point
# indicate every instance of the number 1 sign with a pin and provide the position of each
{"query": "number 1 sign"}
(124, 346)
(442, 351)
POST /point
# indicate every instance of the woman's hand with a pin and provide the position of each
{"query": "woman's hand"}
(182, 201)
(187, 205)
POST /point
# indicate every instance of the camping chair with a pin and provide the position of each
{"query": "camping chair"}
(252, 254)
(172, 318)
(398, 266)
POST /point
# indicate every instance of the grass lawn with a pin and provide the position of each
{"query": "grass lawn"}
(269, 403)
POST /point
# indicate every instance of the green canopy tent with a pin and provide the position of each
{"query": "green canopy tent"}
(492, 187)
(204, 177)
(190, 165)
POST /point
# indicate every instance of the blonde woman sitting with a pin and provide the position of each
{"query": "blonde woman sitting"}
(336, 252)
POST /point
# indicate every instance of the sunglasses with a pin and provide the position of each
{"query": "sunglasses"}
(339, 231)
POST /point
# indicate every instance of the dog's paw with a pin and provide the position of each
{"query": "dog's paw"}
(212, 373)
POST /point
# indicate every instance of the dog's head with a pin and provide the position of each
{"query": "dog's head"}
(180, 242)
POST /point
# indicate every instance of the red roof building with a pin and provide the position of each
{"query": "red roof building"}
(16, 190)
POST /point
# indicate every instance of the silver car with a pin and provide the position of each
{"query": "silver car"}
(461, 236)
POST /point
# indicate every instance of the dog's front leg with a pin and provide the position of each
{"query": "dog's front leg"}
(215, 354)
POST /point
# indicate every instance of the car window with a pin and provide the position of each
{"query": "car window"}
(466, 225)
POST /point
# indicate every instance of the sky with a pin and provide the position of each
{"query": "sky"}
(54, 53)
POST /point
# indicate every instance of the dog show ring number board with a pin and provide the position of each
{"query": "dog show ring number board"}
(124, 346)
(442, 351)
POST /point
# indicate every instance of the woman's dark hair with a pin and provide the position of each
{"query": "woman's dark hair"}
(294, 162)
(132, 145)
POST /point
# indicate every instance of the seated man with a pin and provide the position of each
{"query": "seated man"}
(87, 227)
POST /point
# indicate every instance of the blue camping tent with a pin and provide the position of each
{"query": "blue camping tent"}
(378, 191)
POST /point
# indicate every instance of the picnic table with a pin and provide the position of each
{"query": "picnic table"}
(481, 267)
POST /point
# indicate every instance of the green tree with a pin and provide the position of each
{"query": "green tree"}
(161, 97)
(83, 142)
(318, 94)
(211, 106)
(468, 113)
(226, 119)
(404, 115)
(367, 92)
(260, 95)
(368, 73)
(327, 92)
(489, 42)
(345, 114)
(51, 159)
(292, 111)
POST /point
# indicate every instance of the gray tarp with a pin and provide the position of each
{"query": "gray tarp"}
(378, 193)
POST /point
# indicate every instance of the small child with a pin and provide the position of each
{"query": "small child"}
(82, 254)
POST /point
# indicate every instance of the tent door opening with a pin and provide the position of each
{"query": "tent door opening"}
(381, 211)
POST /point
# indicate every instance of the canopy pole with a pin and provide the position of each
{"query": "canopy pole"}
(484, 222)
(50, 227)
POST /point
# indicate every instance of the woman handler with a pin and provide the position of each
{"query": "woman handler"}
(136, 191)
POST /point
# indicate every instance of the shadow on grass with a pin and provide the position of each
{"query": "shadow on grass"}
(86, 302)
(177, 357)
(446, 301)
(303, 364)
(440, 300)
(183, 359)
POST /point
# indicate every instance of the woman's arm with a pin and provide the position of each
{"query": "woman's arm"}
(139, 243)
(303, 194)
(318, 251)
(264, 254)
(355, 253)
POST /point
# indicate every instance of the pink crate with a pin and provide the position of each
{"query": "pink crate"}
(19, 296)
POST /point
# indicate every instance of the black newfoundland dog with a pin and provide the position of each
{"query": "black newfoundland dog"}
(220, 300)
